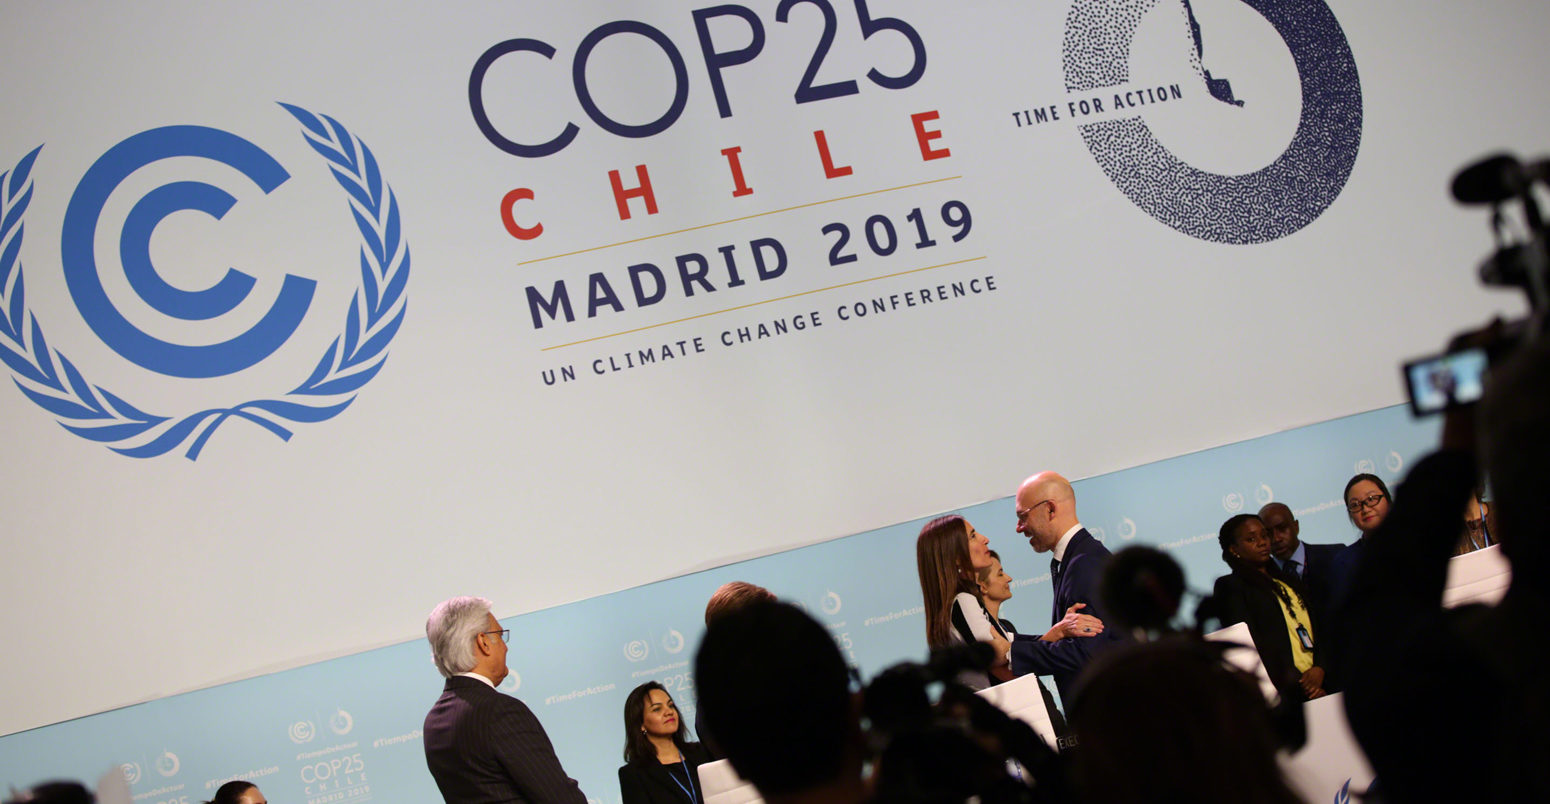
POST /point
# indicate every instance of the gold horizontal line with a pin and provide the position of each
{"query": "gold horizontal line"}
(757, 303)
(735, 220)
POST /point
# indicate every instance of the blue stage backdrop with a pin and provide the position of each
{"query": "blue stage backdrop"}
(349, 729)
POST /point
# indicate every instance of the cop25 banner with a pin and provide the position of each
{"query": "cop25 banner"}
(689, 283)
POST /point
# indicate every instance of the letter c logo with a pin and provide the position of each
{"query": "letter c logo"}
(80, 264)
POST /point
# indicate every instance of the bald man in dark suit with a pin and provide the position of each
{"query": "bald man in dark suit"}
(481, 745)
(1046, 514)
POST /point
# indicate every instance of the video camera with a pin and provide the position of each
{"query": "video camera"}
(1521, 260)
(953, 745)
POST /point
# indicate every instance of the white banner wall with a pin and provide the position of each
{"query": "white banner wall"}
(321, 313)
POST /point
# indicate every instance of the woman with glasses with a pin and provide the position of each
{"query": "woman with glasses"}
(1271, 601)
(1367, 503)
(661, 766)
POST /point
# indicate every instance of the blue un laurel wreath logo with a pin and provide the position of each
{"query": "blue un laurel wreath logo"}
(54, 383)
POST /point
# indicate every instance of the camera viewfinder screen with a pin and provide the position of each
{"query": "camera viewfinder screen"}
(1452, 379)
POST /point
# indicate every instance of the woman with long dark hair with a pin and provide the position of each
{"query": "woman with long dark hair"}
(1271, 602)
(661, 766)
(950, 555)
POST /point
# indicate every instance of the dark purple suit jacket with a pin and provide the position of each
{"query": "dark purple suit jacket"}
(1078, 583)
(484, 747)
(1316, 575)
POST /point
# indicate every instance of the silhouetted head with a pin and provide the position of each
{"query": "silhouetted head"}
(1171, 721)
(775, 691)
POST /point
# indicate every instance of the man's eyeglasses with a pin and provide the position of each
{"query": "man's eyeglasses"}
(1370, 501)
(1023, 513)
(504, 632)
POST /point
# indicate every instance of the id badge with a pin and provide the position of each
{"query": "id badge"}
(1307, 639)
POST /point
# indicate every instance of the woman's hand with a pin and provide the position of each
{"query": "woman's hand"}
(1313, 682)
(1074, 624)
(1003, 650)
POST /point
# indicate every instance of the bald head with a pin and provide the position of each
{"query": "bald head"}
(1046, 509)
(1275, 507)
(1047, 485)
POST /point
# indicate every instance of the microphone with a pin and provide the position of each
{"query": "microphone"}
(1492, 180)
(1537, 171)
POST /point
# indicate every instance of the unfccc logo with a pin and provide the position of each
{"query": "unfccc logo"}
(302, 731)
(222, 329)
(1232, 502)
(636, 650)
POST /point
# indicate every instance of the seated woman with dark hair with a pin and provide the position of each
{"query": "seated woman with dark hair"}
(1271, 602)
(661, 765)
(238, 791)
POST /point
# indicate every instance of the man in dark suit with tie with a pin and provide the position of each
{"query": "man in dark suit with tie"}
(1309, 562)
(1046, 514)
(483, 745)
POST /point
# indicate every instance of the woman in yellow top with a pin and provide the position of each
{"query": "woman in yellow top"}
(1272, 603)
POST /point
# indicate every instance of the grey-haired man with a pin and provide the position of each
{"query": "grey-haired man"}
(482, 745)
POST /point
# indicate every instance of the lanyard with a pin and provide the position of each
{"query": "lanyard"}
(1485, 537)
(689, 791)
